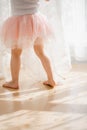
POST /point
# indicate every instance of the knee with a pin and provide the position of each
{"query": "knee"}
(16, 52)
(39, 50)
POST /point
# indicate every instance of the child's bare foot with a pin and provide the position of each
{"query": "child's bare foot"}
(11, 84)
(50, 83)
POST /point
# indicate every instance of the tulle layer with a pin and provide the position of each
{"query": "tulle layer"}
(22, 31)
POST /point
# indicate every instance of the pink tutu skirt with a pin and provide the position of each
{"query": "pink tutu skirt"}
(22, 31)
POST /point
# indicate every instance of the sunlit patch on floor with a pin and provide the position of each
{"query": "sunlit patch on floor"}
(36, 120)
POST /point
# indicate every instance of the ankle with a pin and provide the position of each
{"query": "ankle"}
(15, 81)
(51, 80)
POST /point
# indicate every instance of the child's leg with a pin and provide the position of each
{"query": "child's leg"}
(39, 50)
(15, 67)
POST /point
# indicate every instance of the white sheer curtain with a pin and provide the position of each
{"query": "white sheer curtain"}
(4, 12)
(57, 50)
(74, 19)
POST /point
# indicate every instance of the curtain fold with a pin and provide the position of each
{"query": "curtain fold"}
(74, 27)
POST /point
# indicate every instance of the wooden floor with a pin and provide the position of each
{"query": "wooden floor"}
(37, 107)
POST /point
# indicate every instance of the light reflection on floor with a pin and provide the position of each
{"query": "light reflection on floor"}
(37, 107)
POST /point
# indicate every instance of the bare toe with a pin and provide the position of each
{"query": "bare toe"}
(50, 84)
(11, 85)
